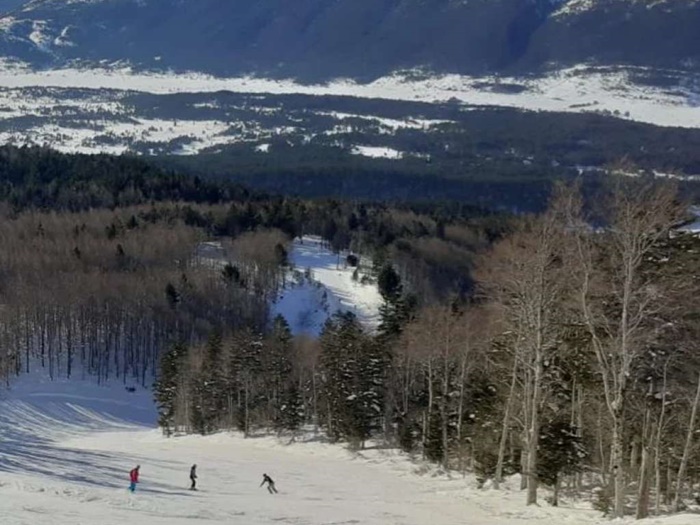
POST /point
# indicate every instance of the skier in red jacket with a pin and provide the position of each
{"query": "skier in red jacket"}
(134, 477)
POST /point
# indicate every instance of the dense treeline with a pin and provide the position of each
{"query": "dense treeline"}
(496, 157)
(573, 362)
(101, 292)
(108, 289)
(39, 178)
(43, 178)
(92, 284)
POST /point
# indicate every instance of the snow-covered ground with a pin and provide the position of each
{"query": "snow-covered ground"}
(320, 285)
(388, 123)
(693, 227)
(577, 89)
(377, 152)
(108, 110)
(66, 450)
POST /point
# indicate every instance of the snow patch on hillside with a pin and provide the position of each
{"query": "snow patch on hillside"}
(574, 7)
(377, 152)
(115, 136)
(389, 123)
(63, 39)
(320, 285)
(38, 35)
(577, 90)
(693, 227)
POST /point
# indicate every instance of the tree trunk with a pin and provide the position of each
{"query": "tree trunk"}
(504, 428)
(523, 469)
(680, 478)
(616, 460)
(657, 446)
(669, 483)
(643, 488)
(426, 422)
(579, 433)
(601, 450)
(557, 489)
(643, 494)
(534, 431)
(444, 410)
(634, 454)
(460, 411)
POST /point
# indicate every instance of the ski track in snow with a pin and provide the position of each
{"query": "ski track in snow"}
(66, 449)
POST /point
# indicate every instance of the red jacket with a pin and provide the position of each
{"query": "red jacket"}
(134, 475)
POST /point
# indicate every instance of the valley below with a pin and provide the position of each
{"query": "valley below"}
(405, 129)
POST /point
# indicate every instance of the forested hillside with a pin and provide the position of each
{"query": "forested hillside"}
(562, 346)
(103, 263)
(573, 361)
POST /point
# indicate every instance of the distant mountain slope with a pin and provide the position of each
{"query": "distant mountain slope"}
(315, 39)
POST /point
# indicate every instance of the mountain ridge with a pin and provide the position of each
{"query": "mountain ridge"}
(362, 39)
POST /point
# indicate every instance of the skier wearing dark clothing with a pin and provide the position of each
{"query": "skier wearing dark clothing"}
(270, 484)
(193, 477)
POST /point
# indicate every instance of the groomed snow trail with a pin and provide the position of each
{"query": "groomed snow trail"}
(321, 285)
(66, 449)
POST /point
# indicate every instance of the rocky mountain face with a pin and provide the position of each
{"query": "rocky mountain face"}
(322, 39)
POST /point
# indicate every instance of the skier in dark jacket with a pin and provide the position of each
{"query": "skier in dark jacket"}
(270, 484)
(193, 477)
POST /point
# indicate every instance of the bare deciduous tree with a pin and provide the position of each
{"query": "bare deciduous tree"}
(525, 275)
(615, 298)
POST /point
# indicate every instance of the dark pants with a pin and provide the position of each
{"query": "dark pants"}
(271, 488)
(194, 483)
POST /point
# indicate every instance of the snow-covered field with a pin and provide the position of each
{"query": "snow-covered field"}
(577, 89)
(66, 450)
(377, 152)
(117, 110)
(320, 285)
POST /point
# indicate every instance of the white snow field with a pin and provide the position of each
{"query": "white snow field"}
(576, 89)
(377, 152)
(66, 449)
(321, 284)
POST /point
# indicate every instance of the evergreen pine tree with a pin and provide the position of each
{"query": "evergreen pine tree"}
(244, 370)
(208, 388)
(353, 367)
(338, 341)
(166, 386)
(433, 446)
(561, 453)
(396, 308)
(282, 391)
(291, 412)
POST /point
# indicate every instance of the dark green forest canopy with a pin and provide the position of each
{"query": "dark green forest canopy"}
(435, 240)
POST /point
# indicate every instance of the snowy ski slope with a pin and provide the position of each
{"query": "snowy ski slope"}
(320, 285)
(66, 449)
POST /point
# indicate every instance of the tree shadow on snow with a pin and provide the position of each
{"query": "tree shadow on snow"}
(27, 446)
